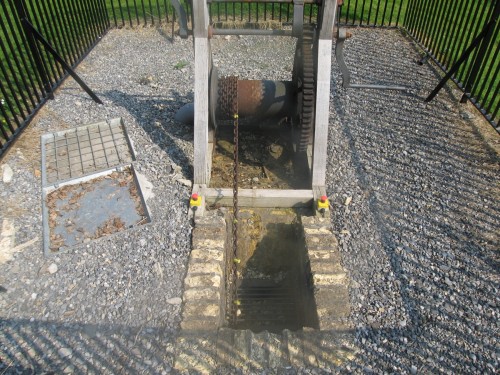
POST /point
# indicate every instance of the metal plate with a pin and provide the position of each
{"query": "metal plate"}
(90, 188)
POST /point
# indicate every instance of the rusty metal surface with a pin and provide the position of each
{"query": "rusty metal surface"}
(250, 96)
(258, 99)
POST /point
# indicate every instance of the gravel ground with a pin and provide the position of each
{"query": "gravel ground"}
(414, 186)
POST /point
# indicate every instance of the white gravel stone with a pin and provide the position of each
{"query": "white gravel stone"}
(7, 173)
(52, 268)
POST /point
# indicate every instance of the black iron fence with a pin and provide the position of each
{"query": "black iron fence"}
(463, 38)
(29, 72)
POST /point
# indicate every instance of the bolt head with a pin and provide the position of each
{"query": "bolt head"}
(323, 198)
(195, 197)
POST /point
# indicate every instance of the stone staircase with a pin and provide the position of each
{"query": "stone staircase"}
(204, 345)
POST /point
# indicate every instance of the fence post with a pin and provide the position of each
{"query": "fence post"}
(483, 49)
(35, 52)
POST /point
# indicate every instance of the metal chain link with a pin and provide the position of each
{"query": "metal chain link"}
(228, 102)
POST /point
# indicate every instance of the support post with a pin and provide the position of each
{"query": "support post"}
(324, 59)
(201, 70)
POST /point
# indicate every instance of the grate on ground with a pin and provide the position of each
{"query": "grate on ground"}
(85, 150)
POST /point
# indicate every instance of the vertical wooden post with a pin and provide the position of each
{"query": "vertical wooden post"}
(324, 59)
(201, 71)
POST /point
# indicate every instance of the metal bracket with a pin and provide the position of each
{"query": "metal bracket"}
(346, 75)
(181, 13)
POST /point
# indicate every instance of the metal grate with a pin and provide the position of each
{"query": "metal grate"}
(267, 306)
(85, 150)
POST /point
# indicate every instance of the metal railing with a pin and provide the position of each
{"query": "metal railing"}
(446, 29)
(29, 73)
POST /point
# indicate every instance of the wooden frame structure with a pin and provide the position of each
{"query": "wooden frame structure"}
(204, 137)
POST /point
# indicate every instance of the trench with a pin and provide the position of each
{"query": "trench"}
(270, 289)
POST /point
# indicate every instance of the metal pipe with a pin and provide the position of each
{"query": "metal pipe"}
(260, 99)
(258, 32)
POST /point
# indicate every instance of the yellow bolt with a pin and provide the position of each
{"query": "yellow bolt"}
(237, 261)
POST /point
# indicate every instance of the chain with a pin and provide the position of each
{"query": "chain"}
(228, 97)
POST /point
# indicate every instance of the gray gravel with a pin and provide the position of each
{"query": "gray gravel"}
(419, 234)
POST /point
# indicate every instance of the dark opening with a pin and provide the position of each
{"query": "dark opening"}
(272, 288)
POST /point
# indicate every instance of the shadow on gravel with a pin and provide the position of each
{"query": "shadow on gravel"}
(53, 347)
(430, 182)
(155, 114)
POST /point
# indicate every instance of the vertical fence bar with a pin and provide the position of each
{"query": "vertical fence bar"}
(166, 11)
(136, 13)
(480, 58)
(17, 85)
(77, 32)
(49, 62)
(7, 122)
(35, 52)
(159, 12)
(487, 14)
(438, 29)
(6, 98)
(87, 37)
(10, 33)
(112, 4)
(429, 25)
(496, 58)
(91, 19)
(144, 12)
(63, 29)
(152, 13)
(54, 37)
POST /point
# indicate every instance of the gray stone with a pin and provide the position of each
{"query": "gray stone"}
(174, 301)
(65, 352)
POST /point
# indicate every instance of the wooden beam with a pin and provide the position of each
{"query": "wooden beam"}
(324, 59)
(256, 197)
(201, 19)
(328, 19)
(322, 112)
(201, 157)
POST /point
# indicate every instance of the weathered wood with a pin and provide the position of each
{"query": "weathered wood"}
(298, 17)
(257, 197)
(328, 19)
(322, 112)
(201, 157)
(201, 19)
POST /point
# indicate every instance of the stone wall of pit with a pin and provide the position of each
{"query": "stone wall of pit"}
(329, 278)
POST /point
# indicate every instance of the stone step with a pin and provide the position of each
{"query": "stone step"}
(254, 352)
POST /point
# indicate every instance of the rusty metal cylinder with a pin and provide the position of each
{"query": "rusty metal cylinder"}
(258, 99)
